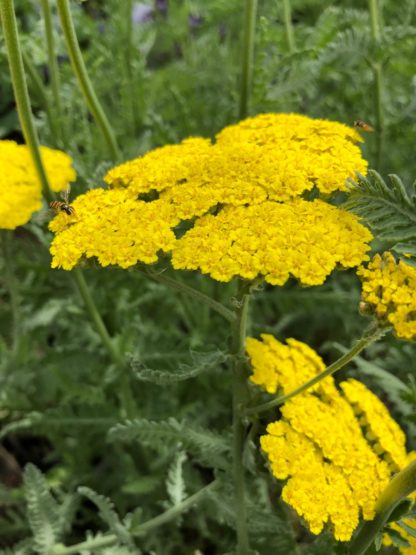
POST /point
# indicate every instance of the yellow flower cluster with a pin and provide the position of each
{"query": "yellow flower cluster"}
(20, 190)
(337, 448)
(240, 198)
(109, 220)
(389, 288)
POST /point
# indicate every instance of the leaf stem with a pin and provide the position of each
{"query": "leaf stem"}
(53, 69)
(246, 77)
(84, 81)
(240, 398)
(372, 335)
(190, 291)
(110, 539)
(14, 55)
(402, 485)
(287, 19)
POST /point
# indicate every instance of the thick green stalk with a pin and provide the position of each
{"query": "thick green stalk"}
(287, 19)
(53, 70)
(402, 485)
(378, 80)
(14, 55)
(84, 81)
(240, 398)
(141, 529)
(366, 340)
(190, 291)
(246, 76)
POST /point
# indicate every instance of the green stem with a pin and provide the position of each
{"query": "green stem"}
(12, 287)
(14, 54)
(109, 540)
(190, 291)
(287, 19)
(129, 64)
(367, 339)
(95, 316)
(246, 77)
(378, 81)
(53, 69)
(402, 485)
(40, 92)
(240, 398)
(127, 403)
(84, 81)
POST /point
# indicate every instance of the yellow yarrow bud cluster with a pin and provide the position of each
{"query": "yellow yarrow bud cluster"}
(389, 289)
(240, 199)
(337, 448)
(20, 189)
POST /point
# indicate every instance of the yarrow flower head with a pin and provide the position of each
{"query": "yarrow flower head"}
(235, 207)
(20, 189)
(336, 448)
(389, 290)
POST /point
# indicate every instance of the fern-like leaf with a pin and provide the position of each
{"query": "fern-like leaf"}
(202, 362)
(209, 447)
(108, 515)
(42, 510)
(175, 483)
(388, 208)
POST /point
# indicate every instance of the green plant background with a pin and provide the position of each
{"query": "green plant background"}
(59, 406)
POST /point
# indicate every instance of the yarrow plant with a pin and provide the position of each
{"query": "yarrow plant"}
(259, 205)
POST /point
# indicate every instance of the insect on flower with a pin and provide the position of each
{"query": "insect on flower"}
(363, 126)
(63, 205)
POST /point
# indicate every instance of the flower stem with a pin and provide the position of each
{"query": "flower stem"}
(14, 54)
(84, 81)
(53, 69)
(368, 338)
(287, 18)
(12, 287)
(127, 403)
(110, 539)
(402, 485)
(95, 316)
(129, 52)
(246, 77)
(190, 291)
(378, 80)
(240, 398)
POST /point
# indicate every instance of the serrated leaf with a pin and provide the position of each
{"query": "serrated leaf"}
(208, 446)
(175, 484)
(202, 362)
(42, 509)
(407, 528)
(108, 515)
(397, 538)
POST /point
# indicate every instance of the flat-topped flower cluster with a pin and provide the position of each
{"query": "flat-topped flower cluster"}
(389, 289)
(336, 447)
(232, 208)
(20, 189)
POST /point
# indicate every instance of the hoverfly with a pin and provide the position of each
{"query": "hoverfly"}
(363, 126)
(63, 205)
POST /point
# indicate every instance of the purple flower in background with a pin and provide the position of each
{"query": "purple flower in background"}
(141, 13)
(195, 21)
(161, 6)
